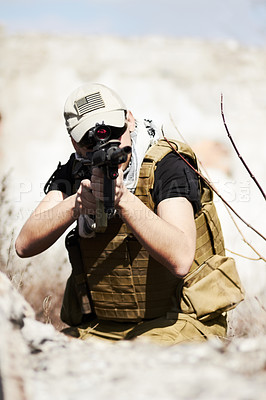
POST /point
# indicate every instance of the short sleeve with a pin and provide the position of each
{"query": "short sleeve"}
(174, 178)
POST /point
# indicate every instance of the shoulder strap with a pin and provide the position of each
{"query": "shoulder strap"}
(158, 151)
(155, 154)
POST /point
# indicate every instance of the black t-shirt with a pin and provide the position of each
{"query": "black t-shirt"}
(173, 178)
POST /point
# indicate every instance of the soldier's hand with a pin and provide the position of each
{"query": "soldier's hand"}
(97, 185)
(120, 189)
(85, 200)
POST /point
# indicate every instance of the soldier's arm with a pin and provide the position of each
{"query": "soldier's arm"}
(169, 236)
(51, 218)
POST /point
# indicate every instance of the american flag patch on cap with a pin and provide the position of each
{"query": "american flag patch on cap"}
(89, 103)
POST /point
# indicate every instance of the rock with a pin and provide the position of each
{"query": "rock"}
(39, 363)
(13, 349)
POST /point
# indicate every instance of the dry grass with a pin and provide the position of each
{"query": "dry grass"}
(44, 291)
(46, 301)
(44, 295)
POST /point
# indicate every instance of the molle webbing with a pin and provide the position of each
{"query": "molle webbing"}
(209, 233)
(125, 282)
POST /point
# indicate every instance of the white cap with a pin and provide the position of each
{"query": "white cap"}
(90, 104)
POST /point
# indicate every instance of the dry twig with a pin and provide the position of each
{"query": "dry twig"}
(237, 152)
(213, 188)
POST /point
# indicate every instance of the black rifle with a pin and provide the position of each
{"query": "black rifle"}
(107, 155)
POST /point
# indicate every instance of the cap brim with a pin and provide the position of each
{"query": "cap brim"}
(112, 118)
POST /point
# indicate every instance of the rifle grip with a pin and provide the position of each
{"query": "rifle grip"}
(101, 216)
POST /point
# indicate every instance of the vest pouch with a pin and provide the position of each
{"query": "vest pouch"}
(71, 312)
(213, 288)
(76, 305)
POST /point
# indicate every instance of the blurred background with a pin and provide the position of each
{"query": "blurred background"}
(170, 61)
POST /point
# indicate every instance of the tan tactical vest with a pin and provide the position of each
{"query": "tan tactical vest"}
(125, 282)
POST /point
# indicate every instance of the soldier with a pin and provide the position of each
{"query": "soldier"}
(158, 269)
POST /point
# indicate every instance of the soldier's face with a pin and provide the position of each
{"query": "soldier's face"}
(125, 140)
